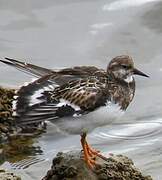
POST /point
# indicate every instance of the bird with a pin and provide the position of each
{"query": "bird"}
(76, 99)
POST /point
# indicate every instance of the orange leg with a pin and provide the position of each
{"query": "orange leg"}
(89, 153)
(95, 152)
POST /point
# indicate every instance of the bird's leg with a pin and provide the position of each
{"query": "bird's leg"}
(95, 153)
(87, 154)
(90, 154)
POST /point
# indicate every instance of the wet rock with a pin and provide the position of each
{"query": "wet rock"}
(70, 166)
(4, 175)
(6, 119)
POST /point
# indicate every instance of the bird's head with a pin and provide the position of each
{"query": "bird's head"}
(122, 68)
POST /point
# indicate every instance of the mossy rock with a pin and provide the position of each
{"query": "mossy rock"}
(6, 120)
(71, 166)
(6, 98)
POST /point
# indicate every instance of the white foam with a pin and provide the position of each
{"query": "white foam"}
(122, 4)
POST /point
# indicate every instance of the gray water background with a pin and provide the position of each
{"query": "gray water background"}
(63, 33)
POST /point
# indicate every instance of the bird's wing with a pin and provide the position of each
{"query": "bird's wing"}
(65, 75)
(58, 76)
(41, 101)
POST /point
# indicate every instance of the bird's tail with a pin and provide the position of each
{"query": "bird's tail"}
(59, 77)
(31, 69)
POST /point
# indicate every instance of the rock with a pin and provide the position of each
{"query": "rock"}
(70, 166)
(6, 98)
(15, 143)
(6, 119)
(8, 126)
(4, 175)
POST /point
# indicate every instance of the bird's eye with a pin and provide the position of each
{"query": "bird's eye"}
(124, 66)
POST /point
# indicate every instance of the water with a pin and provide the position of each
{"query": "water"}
(74, 32)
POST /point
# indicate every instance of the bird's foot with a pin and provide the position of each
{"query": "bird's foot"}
(90, 154)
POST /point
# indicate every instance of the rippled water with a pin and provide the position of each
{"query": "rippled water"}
(73, 32)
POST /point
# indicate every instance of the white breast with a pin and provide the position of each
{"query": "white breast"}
(102, 116)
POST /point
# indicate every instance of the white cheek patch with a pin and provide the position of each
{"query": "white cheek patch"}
(129, 79)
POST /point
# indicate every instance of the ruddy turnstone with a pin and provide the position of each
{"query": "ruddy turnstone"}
(75, 98)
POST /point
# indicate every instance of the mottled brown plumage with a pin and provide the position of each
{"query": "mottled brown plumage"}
(73, 91)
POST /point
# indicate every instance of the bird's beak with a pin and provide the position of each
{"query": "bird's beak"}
(137, 72)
